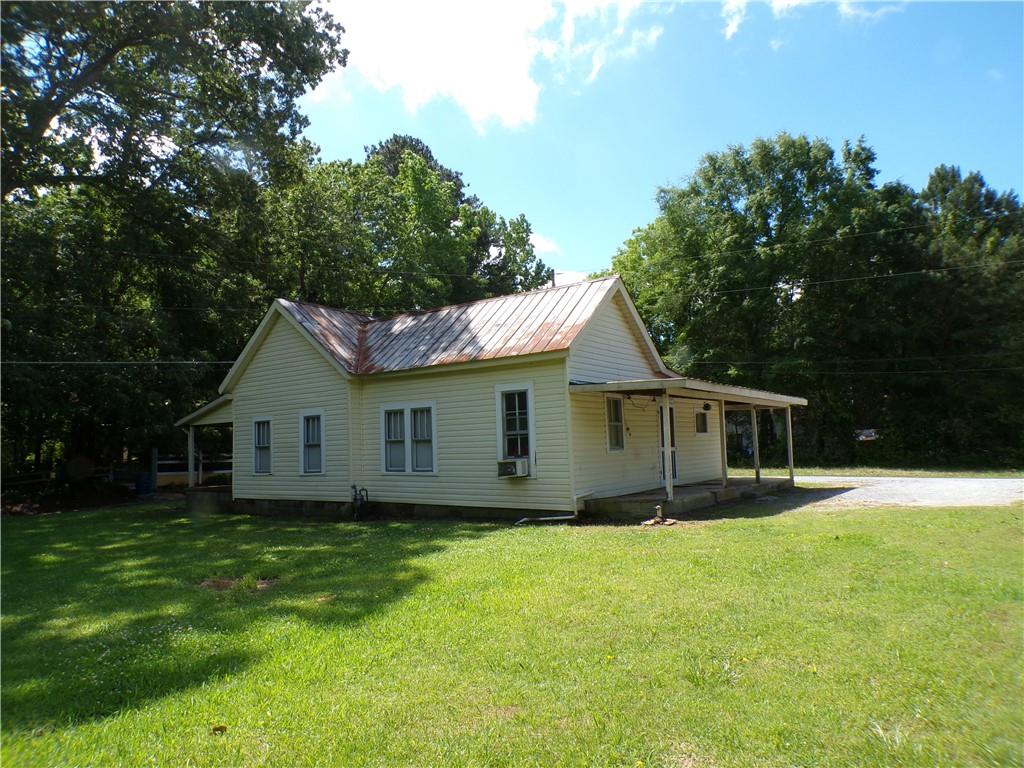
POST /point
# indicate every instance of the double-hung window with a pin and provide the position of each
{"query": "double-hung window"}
(261, 446)
(311, 442)
(516, 423)
(409, 443)
(616, 423)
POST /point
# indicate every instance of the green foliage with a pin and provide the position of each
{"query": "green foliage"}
(779, 636)
(784, 266)
(157, 198)
(122, 93)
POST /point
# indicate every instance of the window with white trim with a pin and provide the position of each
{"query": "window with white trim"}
(311, 429)
(516, 424)
(616, 423)
(261, 446)
(700, 422)
(422, 439)
(394, 440)
(408, 438)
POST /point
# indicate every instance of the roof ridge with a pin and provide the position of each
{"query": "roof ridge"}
(368, 319)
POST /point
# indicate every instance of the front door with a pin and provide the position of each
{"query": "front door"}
(672, 435)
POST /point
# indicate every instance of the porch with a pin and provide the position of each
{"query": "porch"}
(682, 422)
(685, 499)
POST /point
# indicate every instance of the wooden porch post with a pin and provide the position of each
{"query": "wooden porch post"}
(666, 443)
(721, 435)
(757, 450)
(789, 440)
(191, 456)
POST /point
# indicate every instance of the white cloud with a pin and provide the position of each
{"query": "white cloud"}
(544, 246)
(735, 11)
(481, 55)
(776, 43)
(852, 10)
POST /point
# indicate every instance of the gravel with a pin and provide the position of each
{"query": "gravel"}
(919, 491)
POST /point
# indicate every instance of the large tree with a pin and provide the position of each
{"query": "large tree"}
(784, 265)
(118, 92)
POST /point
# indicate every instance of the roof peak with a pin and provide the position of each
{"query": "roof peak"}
(368, 319)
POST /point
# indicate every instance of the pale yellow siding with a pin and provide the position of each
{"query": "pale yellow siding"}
(699, 455)
(610, 347)
(219, 415)
(467, 437)
(285, 376)
(600, 472)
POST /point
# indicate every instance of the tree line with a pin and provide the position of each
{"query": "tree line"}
(785, 266)
(158, 195)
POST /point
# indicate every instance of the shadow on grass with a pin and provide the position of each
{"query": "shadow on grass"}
(104, 611)
(789, 500)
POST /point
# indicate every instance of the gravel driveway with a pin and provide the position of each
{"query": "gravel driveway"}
(918, 491)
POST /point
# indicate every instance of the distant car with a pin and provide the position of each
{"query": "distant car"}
(863, 435)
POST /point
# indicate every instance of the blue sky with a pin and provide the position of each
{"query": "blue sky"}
(575, 113)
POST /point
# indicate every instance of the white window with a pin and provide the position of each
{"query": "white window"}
(261, 446)
(700, 422)
(408, 444)
(422, 439)
(311, 442)
(394, 440)
(515, 405)
(616, 424)
(515, 423)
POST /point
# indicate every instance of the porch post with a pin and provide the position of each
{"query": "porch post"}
(757, 450)
(721, 435)
(666, 443)
(191, 456)
(789, 440)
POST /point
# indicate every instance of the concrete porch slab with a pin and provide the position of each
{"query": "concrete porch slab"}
(687, 498)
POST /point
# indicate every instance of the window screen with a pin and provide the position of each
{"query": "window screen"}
(261, 447)
(516, 424)
(312, 448)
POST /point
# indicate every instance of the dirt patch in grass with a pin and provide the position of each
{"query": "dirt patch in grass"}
(223, 584)
(683, 756)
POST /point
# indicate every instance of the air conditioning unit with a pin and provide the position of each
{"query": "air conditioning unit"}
(514, 468)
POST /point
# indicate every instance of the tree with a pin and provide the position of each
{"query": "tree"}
(784, 266)
(119, 92)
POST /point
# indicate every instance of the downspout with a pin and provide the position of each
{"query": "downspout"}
(558, 518)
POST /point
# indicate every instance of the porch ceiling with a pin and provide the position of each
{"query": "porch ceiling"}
(696, 389)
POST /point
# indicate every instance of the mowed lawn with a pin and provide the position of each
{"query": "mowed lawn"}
(779, 635)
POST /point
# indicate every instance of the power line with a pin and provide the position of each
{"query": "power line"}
(427, 273)
(799, 284)
(850, 359)
(117, 362)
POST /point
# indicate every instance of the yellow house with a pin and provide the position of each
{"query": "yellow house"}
(536, 401)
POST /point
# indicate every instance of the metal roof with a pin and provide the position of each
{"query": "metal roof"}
(545, 320)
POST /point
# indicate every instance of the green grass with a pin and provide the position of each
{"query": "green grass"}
(879, 472)
(776, 636)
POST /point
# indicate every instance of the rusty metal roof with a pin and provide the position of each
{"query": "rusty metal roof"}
(545, 320)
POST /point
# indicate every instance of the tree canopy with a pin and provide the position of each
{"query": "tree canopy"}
(159, 195)
(123, 92)
(783, 265)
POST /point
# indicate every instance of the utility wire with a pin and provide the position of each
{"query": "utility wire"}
(427, 273)
(850, 359)
(778, 286)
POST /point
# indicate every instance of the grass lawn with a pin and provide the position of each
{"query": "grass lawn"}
(780, 635)
(878, 472)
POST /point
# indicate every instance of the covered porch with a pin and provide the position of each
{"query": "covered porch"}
(217, 412)
(710, 401)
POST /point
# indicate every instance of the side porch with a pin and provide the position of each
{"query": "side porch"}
(670, 436)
